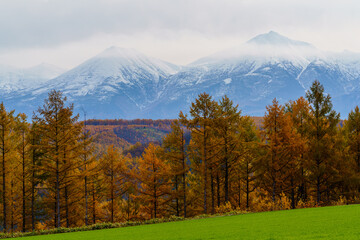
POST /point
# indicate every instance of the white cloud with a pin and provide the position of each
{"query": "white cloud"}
(66, 32)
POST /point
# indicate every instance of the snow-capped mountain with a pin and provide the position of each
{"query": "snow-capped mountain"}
(116, 83)
(124, 83)
(16, 79)
(267, 66)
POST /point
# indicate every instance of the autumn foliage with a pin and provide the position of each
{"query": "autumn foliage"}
(56, 171)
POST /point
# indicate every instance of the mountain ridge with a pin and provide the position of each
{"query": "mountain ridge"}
(124, 83)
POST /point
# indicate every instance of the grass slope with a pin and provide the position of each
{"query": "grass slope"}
(342, 222)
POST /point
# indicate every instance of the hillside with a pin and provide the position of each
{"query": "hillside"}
(340, 222)
(125, 133)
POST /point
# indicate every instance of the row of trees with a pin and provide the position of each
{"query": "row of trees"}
(53, 175)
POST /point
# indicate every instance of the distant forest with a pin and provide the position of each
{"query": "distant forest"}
(57, 171)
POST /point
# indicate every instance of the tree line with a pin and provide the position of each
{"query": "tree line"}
(52, 174)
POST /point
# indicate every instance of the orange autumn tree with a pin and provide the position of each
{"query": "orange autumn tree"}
(299, 111)
(244, 173)
(152, 174)
(228, 137)
(203, 112)
(23, 149)
(284, 146)
(175, 154)
(60, 135)
(114, 168)
(7, 142)
(87, 156)
(352, 134)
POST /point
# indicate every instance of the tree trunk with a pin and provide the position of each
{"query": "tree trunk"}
(239, 191)
(218, 188)
(23, 185)
(33, 196)
(177, 196)
(212, 191)
(247, 185)
(183, 175)
(85, 178)
(93, 204)
(318, 190)
(66, 195)
(205, 172)
(67, 207)
(55, 211)
(292, 193)
(226, 187)
(274, 191)
(4, 180)
(12, 205)
(58, 224)
(86, 199)
(112, 197)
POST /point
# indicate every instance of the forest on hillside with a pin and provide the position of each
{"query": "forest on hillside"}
(214, 159)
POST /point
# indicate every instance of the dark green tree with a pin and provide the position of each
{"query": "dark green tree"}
(323, 121)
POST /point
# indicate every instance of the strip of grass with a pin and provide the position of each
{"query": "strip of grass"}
(341, 222)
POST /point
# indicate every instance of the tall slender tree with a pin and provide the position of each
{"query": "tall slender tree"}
(114, 168)
(59, 135)
(203, 112)
(226, 128)
(323, 123)
(22, 129)
(248, 154)
(87, 157)
(352, 130)
(152, 174)
(37, 175)
(284, 147)
(175, 154)
(299, 112)
(6, 147)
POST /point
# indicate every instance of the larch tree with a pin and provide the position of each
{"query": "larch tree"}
(7, 140)
(203, 112)
(246, 164)
(23, 148)
(323, 123)
(282, 143)
(59, 132)
(87, 156)
(175, 155)
(96, 190)
(115, 171)
(226, 130)
(299, 112)
(352, 131)
(37, 175)
(152, 174)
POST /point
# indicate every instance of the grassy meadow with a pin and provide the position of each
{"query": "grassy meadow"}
(339, 222)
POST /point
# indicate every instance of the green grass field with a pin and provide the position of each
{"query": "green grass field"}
(342, 222)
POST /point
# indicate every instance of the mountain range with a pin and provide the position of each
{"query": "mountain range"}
(124, 83)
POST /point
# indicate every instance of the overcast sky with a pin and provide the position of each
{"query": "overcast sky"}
(67, 32)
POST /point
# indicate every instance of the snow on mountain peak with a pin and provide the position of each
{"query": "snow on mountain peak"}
(117, 52)
(267, 47)
(111, 71)
(15, 79)
(128, 57)
(276, 39)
